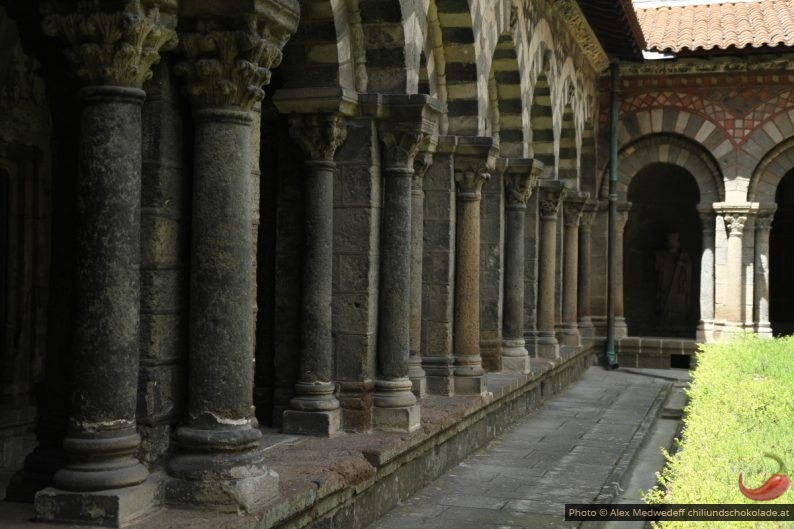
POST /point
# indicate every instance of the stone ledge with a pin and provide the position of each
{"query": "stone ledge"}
(352, 479)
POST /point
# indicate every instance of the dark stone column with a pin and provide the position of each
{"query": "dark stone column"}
(315, 409)
(422, 163)
(572, 212)
(218, 462)
(103, 482)
(403, 131)
(586, 329)
(763, 225)
(520, 176)
(474, 158)
(551, 192)
(621, 328)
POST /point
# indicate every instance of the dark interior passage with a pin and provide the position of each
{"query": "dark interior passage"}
(781, 259)
(662, 248)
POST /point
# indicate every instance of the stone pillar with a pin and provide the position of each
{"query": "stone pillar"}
(474, 157)
(218, 462)
(550, 194)
(572, 212)
(404, 131)
(734, 223)
(314, 409)
(763, 223)
(520, 176)
(621, 328)
(706, 324)
(586, 329)
(415, 372)
(103, 483)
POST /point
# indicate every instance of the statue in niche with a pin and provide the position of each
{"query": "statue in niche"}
(673, 284)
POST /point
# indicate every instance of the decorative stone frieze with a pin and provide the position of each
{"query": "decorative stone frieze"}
(112, 48)
(583, 34)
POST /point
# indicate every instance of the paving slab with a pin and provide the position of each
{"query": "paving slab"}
(575, 449)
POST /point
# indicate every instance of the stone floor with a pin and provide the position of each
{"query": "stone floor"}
(598, 442)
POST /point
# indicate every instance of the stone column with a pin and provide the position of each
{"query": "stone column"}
(520, 176)
(734, 223)
(218, 462)
(404, 131)
(586, 329)
(572, 212)
(103, 483)
(706, 324)
(763, 224)
(415, 372)
(550, 194)
(621, 328)
(472, 162)
(314, 408)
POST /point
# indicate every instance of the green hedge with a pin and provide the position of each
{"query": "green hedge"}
(741, 404)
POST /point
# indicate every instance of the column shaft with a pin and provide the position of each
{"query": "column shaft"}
(621, 328)
(315, 409)
(733, 312)
(706, 323)
(468, 362)
(572, 214)
(102, 438)
(583, 305)
(761, 279)
(415, 371)
(547, 345)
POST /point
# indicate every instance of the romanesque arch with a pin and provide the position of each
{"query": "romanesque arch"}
(770, 171)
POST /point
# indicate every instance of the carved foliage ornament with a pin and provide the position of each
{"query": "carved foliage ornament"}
(735, 224)
(422, 163)
(402, 146)
(518, 187)
(470, 179)
(572, 212)
(117, 48)
(319, 135)
(227, 68)
(549, 208)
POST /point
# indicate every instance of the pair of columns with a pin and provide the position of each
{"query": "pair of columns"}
(218, 461)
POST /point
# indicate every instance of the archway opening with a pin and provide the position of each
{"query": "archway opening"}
(781, 259)
(662, 246)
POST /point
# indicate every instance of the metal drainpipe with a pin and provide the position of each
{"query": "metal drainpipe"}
(612, 359)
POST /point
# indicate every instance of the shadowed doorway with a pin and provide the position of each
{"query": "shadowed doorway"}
(781, 259)
(662, 248)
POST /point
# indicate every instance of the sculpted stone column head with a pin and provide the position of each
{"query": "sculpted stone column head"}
(734, 222)
(551, 193)
(573, 207)
(318, 135)
(520, 177)
(229, 54)
(115, 47)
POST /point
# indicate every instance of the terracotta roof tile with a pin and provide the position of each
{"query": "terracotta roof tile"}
(721, 26)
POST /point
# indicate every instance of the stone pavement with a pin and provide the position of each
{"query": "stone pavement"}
(578, 448)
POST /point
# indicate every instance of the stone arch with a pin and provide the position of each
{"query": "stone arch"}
(327, 49)
(770, 171)
(565, 146)
(512, 120)
(672, 149)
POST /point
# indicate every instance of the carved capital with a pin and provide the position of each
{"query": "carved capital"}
(518, 187)
(572, 212)
(551, 195)
(319, 135)
(734, 222)
(470, 179)
(112, 48)
(227, 67)
(422, 163)
(764, 222)
(400, 147)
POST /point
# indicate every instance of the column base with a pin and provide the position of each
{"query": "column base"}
(764, 330)
(419, 386)
(705, 331)
(106, 508)
(546, 346)
(571, 337)
(515, 357)
(40, 466)
(470, 385)
(234, 482)
(439, 375)
(405, 419)
(621, 328)
(317, 423)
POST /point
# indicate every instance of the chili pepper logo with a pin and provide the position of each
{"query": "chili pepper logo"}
(774, 487)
